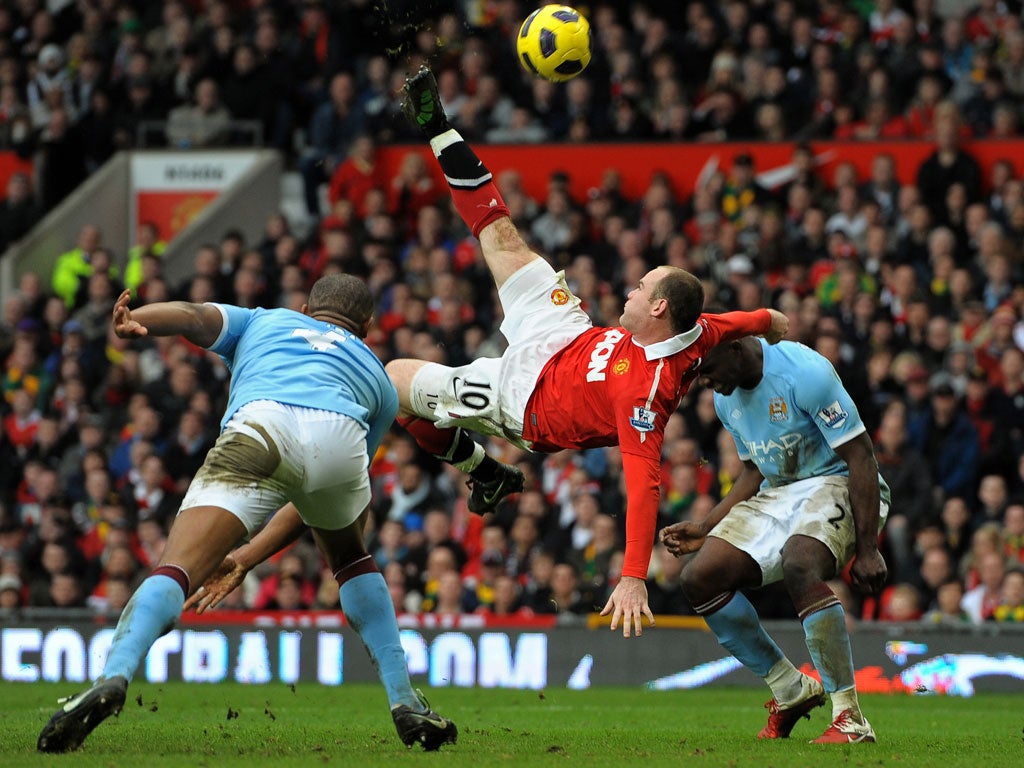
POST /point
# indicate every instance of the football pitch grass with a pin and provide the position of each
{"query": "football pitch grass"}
(225, 725)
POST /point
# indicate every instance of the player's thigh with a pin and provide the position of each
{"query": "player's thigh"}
(245, 472)
(718, 567)
(402, 373)
(824, 513)
(472, 391)
(758, 527)
(199, 540)
(537, 302)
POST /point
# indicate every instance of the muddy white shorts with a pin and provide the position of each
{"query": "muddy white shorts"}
(270, 453)
(818, 507)
(490, 394)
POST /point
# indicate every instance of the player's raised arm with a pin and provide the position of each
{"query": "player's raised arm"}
(198, 323)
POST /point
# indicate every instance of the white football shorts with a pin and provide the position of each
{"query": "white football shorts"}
(490, 394)
(818, 507)
(270, 453)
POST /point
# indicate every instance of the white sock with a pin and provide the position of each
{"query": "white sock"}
(473, 461)
(785, 681)
(843, 700)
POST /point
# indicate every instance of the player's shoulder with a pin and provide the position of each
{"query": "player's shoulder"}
(794, 353)
(807, 372)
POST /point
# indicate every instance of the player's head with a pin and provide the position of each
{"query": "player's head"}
(665, 296)
(343, 300)
(732, 364)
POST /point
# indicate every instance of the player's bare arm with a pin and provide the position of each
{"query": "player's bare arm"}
(280, 531)
(198, 323)
(869, 570)
(689, 535)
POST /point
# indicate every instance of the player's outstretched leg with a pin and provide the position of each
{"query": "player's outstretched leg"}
(367, 605)
(490, 480)
(152, 611)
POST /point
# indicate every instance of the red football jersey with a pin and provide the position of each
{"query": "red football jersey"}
(605, 389)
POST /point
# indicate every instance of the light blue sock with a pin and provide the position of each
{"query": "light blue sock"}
(367, 605)
(739, 630)
(829, 645)
(153, 610)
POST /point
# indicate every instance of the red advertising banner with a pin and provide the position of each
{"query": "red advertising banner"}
(170, 189)
(587, 164)
(171, 212)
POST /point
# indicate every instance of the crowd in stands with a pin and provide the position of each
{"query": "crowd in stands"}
(912, 290)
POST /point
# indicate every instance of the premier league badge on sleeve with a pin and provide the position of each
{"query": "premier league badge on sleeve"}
(833, 415)
(643, 419)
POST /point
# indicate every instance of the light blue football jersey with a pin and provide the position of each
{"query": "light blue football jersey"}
(290, 358)
(790, 423)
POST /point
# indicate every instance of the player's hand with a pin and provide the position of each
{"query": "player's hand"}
(124, 326)
(222, 582)
(779, 329)
(685, 537)
(868, 571)
(628, 603)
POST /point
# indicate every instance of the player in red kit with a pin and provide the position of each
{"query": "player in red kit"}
(562, 383)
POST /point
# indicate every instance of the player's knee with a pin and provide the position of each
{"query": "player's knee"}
(802, 568)
(699, 584)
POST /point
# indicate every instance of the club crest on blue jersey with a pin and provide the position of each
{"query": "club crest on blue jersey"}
(643, 419)
(833, 415)
(777, 409)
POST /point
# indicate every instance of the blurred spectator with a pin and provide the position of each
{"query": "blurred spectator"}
(948, 611)
(354, 178)
(300, 591)
(18, 210)
(205, 123)
(148, 243)
(10, 593)
(76, 264)
(335, 125)
(949, 164)
(909, 480)
(565, 593)
(1011, 600)
(664, 590)
(981, 602)
(61, 159)
(947, 439)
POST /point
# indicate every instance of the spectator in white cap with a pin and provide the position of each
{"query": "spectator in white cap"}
(51, 76)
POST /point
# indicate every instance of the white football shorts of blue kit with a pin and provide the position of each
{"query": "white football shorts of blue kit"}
(308, 405)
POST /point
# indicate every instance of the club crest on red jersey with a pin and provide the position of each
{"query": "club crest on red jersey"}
(643, 419)
(559, 297)
(777, 409)
(621, 366)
